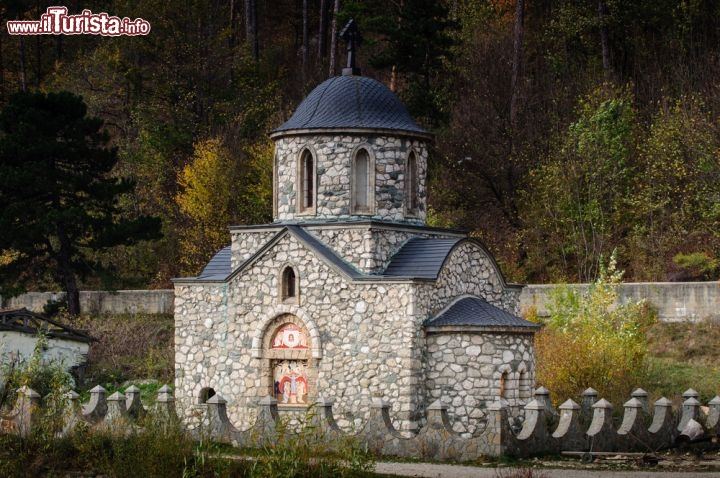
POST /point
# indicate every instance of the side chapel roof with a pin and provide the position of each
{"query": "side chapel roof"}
(219, 266)
(472, 311)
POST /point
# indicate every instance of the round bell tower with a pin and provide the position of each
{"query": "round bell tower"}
(350, 152)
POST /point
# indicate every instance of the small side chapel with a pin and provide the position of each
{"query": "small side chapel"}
(348, 294)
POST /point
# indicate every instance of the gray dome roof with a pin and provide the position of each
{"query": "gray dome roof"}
(351, 102)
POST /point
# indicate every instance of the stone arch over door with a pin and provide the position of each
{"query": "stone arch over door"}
(286, 309)
(288, 367)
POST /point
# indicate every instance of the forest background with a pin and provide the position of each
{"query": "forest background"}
(564, 129)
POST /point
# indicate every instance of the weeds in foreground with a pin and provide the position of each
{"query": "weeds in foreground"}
(308, 453)
(520, 473)
(155, 447)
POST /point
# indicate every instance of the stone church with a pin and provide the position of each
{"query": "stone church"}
(348, 294)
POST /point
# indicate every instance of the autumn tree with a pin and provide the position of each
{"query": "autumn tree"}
(676, 199)
(575, 201)
(60, 199)
(219, 189)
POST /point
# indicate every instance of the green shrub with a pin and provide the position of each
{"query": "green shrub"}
(591, 340)
(698, 265)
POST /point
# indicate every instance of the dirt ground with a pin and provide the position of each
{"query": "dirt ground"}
(684, 466)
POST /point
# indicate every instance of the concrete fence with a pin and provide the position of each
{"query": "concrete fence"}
(582, 428)
(674, 301)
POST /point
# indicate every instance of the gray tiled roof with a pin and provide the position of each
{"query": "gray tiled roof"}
(475, 312)
(421, 258)
(219, 266)
(344, 102)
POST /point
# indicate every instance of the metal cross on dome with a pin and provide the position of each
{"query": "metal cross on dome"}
(351, 35)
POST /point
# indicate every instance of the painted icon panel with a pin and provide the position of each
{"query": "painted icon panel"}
(289, 336)
(290, 382)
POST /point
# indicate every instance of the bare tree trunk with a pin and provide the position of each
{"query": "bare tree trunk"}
(232, 39)
(58, 47)
(251, 27)
(23, 86)
(38, 60)
(517, 60)
(305, 39)
(2, 75)
(72, 293)
(604, 38)
(38, 56)
(333, 39)
(394, 74)
(323, 30)
(393, 78)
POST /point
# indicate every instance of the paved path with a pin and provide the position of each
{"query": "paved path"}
(431, 470)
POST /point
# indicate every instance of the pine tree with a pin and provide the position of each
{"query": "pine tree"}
(59, 199)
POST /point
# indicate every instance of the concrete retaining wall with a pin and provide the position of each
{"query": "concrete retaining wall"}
(159, 301)
(675, 301)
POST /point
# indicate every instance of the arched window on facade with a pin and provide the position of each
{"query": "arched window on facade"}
(306, 179)
(289, 285)
(524, 386)
(503, 391)
(412, 184)
(362, 183)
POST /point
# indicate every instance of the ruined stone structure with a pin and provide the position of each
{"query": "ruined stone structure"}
(348, 294)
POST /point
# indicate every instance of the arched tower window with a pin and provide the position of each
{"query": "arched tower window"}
(411, 187)
(306, 180)
(289, 285)
(362, 183)
(275, 185)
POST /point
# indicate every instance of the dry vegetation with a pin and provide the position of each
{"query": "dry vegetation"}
(129, 347)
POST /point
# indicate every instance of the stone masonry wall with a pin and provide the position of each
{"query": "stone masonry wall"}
(369, 249)
(468, 271)
(474, 361)
(465, 370)
(333, 156)
(246, 242)
(361, 330)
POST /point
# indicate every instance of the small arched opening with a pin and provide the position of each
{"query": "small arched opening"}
(289, 285)
(206, 394)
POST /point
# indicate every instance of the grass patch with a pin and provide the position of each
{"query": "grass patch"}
(669, 378)
(683, 355)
